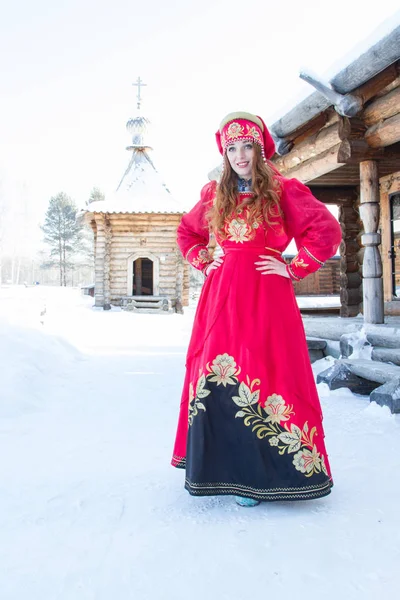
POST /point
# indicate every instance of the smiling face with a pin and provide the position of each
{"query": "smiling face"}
(240, 156)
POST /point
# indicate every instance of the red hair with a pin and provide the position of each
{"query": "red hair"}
(263, 201)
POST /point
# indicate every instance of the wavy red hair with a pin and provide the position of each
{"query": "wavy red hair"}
(264, 200)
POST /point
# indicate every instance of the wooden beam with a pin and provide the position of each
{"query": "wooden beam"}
(355, 151)
(322, 121)
(378, 83)
(371, 65)
(385, 133)
(382, 108)
(311, 147)
(351, 280)
(107, 258)
(392, 85)
(392, 308)
(316, 167)
(305, 111)
(350, 296)
(351, 129)
(383, 53)
(335, 195)
(99, 261)
(345, 104)
(312, 115)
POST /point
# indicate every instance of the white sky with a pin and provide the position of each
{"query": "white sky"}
(67, 69)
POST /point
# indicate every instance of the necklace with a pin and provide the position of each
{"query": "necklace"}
(244, 185)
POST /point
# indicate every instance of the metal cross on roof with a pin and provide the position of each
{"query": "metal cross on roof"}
(139, 83)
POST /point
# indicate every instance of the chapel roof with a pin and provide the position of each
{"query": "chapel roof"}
(141, 189)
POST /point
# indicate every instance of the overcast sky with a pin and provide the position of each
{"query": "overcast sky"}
(67, 69)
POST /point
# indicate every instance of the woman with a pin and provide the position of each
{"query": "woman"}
(250, 421)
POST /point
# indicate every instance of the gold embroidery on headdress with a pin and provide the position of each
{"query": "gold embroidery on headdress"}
(253, 131)
(234, 130)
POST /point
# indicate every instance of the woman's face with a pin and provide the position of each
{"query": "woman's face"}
(240, 156)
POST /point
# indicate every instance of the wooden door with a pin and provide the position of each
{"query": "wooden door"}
(142, 277)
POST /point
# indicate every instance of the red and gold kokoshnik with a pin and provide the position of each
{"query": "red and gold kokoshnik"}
(245, 126)
(241, 130)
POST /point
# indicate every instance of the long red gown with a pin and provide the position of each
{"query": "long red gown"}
(250, 421)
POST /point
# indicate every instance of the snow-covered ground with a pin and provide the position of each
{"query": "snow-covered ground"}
(318, 301)
(90, 508)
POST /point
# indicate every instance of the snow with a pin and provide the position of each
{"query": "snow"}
(361, 347)
(384, 29)
(141, 191)
(343, 61)
(318, 301)
(90, 508)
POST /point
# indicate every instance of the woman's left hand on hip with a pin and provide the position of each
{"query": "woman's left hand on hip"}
(271, 266)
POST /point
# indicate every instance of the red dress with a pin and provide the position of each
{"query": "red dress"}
(250, 420)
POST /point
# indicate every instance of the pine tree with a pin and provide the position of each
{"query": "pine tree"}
(63, 232)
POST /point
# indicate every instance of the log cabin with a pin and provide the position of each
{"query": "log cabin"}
(343, 141)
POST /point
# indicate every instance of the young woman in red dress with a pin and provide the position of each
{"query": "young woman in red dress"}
(250, 422)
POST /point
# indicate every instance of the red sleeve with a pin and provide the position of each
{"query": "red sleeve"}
(193, 233)
(315, 230)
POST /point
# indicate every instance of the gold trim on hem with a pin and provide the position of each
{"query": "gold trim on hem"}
(178, 461)
(231, 489)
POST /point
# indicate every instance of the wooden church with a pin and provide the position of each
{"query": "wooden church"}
(138, 264)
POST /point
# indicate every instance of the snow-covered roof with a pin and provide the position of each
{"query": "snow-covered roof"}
(376, 53)
(141, 190)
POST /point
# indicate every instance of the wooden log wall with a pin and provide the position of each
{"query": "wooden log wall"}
(383, 107)
(179, 282)
(325, 281)
(382, 117)
(99, 260)
(350, 265)
(107, 263)
(152, 233)
(313, 145)
(350, 277)
(186, 284)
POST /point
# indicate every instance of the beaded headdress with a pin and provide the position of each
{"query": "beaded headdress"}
(244, 126)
